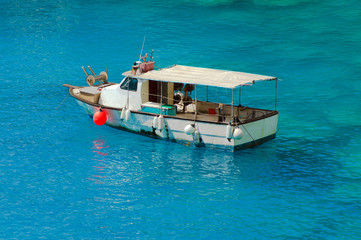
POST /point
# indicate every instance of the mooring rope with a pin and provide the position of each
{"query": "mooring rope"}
(255, 142)
(63, 101)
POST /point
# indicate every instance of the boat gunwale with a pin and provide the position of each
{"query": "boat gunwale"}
(270, 114)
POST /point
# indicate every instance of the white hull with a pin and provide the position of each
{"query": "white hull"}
(211, 134)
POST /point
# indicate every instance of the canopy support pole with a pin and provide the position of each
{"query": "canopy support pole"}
(127, 104)
(239, 100)
(232, 105)
(195, 99)
(161, 97)
(276, 95)
(207, 92)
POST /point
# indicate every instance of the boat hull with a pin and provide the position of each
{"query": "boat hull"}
(208, 134)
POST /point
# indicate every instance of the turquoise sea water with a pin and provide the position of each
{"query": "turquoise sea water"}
(62, 177)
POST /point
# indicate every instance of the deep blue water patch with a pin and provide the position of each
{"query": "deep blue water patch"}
(63, 177)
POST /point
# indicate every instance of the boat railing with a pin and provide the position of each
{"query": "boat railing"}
(213, 110)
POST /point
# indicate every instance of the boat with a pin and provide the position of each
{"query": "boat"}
(163, 103)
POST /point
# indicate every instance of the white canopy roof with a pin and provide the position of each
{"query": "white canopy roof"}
(203, 76)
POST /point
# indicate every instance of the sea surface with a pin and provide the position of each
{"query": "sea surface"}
(63, 177)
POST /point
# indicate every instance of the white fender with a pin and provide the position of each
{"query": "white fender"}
(238, 133)
(122, 115)
(189, 129)
(229, 131)
(197, 136)
(155, 122)
(127, 115)
(161, 123)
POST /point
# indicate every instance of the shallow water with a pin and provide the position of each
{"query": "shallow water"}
(64, 177)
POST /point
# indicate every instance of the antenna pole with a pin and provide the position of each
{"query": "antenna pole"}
(140, 57)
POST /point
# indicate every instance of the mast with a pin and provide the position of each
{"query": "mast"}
(140, 57)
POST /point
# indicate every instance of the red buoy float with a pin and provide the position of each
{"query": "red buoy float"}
(100, 117)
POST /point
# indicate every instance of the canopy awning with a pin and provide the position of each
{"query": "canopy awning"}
(203, 76)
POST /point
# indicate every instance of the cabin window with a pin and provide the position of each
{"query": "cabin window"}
(130, 84)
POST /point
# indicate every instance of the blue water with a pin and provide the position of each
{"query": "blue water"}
(62, 177)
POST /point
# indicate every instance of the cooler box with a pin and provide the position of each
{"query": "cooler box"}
(152, 107)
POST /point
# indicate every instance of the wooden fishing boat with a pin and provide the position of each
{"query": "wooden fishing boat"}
(159, 103)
